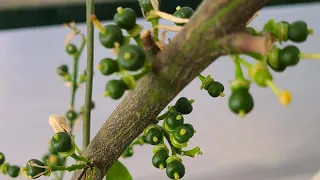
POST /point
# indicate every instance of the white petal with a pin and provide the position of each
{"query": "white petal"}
(59, 124)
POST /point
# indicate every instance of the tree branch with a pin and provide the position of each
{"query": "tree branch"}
(192, 50)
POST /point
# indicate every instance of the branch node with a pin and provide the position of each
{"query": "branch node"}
(149, 43)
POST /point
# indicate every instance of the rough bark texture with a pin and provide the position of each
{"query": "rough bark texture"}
(201, 41)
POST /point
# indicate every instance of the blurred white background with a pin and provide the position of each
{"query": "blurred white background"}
(272, 143)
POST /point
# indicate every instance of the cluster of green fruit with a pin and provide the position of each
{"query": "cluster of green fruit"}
(131, 58)
(6, 168)
(63, 70)
(176, 132)
(278, 59)
(131, 62)
(61, 146)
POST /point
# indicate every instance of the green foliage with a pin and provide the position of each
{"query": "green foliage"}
(118, 171)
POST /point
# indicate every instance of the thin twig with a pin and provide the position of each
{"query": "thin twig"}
(88, 98)
(83, 173)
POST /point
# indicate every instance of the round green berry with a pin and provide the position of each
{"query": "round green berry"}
(191, 129)
(108, 66)
(92, 105)
(128, 152)
(289, 56)
(146, 5)
(112, 35)
(181, 134)
(184, 13)
(159, 159)
(298, 31)
(33, 170)
(61, 142)
(53, 151)
(71, 115)
(13, 171)
(2, 158)
(261, 77)
(131, 57)
(241, 101)
(183, 105)
(115, 88)
(160, 147)
(215, 89)
(62, 70)
(71, 49)
(125, 18)
(174, 119)
(154, 136)
(175, 170)
(278, 68)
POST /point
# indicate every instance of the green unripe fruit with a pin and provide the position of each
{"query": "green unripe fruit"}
(61, 142)
(33, 170)
(160, 147)
(261, 78)
(13, 171)
(289, 56)
(279, 68)
(125, 18)
(181, 134)
(146, 5)
(71, 115)
(154, 136)
(183, 105)
(175, 170)
(191, 129)
(62, 70)
(112, 35)
(115, 89)
(131, 57)
(174, 119)
(92, 105)
(159, 159)
(184, 13)
(273, 60)
(298, 31)
(128, 152)
(2, 158)
(260, 74)
(215, 89)
(71, 49)
(4, 168)
(241, 101)
(108, 66)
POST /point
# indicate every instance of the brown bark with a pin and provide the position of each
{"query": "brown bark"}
(202, 40)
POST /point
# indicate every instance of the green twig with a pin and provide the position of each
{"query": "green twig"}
(76, 58)
(154, 23)
(173, 149)
(78, 158)
(87, 111)
(239, 74)
(162, 116)
(69, 168)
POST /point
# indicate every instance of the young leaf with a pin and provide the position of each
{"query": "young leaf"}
(118, 171)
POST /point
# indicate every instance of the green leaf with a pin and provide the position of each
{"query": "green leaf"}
(118, 172)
